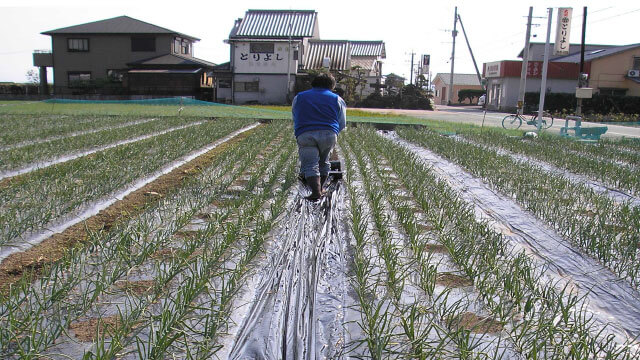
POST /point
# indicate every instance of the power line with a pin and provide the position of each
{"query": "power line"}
(615, 16)
(16, 52)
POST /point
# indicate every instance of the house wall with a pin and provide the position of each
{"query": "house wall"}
(246, 62)
(271, 70)
(611, 72)
(438, 98)
(502, 92)
(272, 89)
(442, 92)
(105, 52)
(164, 83)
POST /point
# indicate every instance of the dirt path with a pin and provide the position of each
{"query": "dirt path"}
(298, 308)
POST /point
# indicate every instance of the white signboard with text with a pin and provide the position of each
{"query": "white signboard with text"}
(270, 58)
(563, 32)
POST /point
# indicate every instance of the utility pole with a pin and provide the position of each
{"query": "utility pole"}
(454, 33)
(289, 67)
(471, 52)
(545, 66)
(581, 80)
(411, 73)
(525, 63)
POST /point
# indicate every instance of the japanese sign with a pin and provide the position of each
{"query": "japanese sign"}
(534, 68)
(273, 59)
(563, 30)
(492, 69)
(426, 59)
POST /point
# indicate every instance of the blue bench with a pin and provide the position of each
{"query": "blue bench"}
(583, 133)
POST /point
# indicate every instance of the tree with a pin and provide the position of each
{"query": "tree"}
(33, 77)
(394, 83)
(470, 94)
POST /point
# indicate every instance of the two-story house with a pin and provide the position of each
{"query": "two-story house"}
(126, 56)
(266, 47)
(270, 49)
(361, 61)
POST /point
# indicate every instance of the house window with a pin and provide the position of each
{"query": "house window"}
(224, 84)
(185, 48)
(143, 43)
(636, 63)
(295, 54)
(176, 46)
(78, 78)
(115, 75)
(262, 48)
(77, 45)
(249, 86)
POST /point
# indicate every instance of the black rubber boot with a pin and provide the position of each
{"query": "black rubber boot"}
(316, 188)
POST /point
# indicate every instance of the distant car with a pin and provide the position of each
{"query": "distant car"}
(482, 99)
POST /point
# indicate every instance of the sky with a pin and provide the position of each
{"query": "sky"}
(496, 28)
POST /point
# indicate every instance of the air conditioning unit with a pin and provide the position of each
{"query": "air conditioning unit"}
(633, 73)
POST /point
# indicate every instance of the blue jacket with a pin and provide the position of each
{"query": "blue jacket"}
(318, 109)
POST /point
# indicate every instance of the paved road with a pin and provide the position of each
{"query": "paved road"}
(474, 115)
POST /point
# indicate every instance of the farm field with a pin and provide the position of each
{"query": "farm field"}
(180, 231)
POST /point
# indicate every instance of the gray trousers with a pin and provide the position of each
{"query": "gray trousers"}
(314, 148)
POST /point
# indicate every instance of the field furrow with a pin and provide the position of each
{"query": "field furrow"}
(598, 161)
(86, 277)
(17, 129)
(30, 202)
(74, 134)
(30, 157)
(611, 303)
(591, 222)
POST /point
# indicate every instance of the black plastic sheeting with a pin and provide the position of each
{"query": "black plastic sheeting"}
(301, 301)
(610, 299)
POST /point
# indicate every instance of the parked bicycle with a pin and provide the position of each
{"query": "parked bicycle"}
(514, 121)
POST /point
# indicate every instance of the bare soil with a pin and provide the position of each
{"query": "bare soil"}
(436, 248)
(32, 261)
(479, 324)
(140, 287)
(87, 330)
(452, 280)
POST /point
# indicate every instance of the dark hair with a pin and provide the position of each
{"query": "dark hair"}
(324, 80)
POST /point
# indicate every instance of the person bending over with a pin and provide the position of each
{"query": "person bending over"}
(318, 117)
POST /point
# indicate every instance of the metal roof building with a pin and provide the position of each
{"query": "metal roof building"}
(368, 48)
(272, 52)
(338, 52)
(458, 79)
(117, 25)
(276, 24)
(344, 54)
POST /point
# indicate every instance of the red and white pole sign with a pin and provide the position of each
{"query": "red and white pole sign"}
(563, 30)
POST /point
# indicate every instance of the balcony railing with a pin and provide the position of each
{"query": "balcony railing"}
(42, 58)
